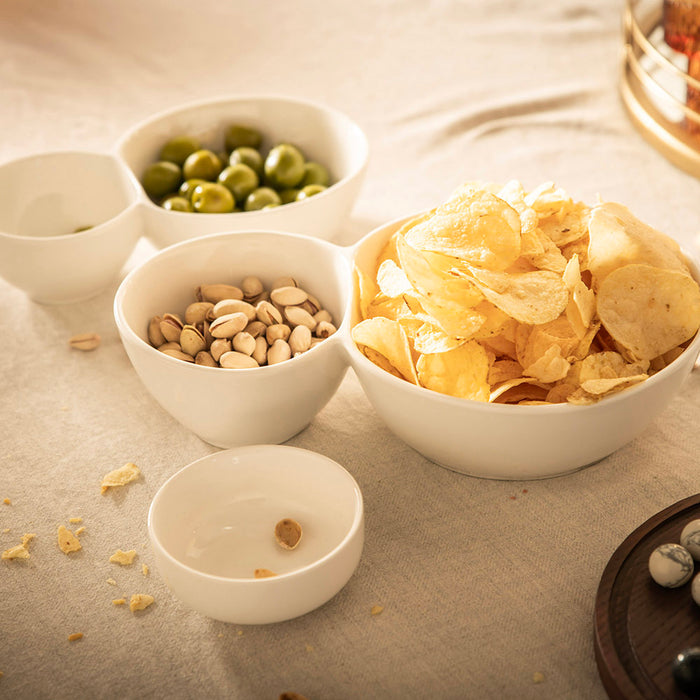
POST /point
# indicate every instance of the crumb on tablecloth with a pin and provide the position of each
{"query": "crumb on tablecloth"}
(120, 477)
(123, 558)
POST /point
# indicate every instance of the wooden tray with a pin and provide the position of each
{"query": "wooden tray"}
(640, 626)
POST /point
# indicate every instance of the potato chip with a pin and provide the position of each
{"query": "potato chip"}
(461, 372)
(522, 297)
(476, 226)
(618, 238)
(388, 338)
(649, 310)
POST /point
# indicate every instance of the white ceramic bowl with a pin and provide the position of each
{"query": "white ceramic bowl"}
(43, 200)
(323, 134)
(227, 407)
(511, 442)
(212, 524)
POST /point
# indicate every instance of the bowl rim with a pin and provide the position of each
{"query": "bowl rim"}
(249, 97)
(336, 338)
(357, 357)
(135, 199)
(355, 526)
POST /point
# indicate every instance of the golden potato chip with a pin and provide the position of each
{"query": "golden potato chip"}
(618, 238)
(504, 370)
(475, 226)
(388, 338)
(460, 372)
(520, 390)
(392, 280)
(430, 339)
(649, 310)
(550, 258)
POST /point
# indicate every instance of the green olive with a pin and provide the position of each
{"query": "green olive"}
(177, 149)
(288, 195)
(284, 166)
(187, 187)
(237, 135)
(212, 198)
(161, 178)
(309, 191)
(261, 198)
(240, 179)
(314, 174)
(177, 203)
(202, 164)
(248, 156)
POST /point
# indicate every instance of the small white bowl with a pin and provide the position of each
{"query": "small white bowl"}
(324, 134)
(231, 407)
(43, 200)
(511, 442)
(212, 524)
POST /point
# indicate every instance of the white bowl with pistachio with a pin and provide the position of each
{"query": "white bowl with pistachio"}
(239, 336)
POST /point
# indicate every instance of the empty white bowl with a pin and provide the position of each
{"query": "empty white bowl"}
(212, 524)
(322, 133)
(43, 200)
(507, 441)
(229, 407)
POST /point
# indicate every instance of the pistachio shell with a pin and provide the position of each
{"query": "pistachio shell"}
(288, 296)
(191, 340)
(231, 306)
(155, 335)
(170, 327)
(216, 292)
(228, 325)
(324, 329)
(84, 341)
(260, 352)
(251, 287)
(255, 328)
(300, 340)
(277, 330)
(205, 358)
(279, 352)
(288, 533)
(284, 282)
(237, 360)
(197, 312)
(299, 317)
(218, 347)
(323, 315)
(243, 342)
(267, 313)
(178, 354)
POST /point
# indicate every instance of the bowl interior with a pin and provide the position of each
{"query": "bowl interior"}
(323, 134)
(59, 193)
(217, 515)
(166, 282)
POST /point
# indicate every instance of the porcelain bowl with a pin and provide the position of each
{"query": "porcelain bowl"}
(44, 200)
(231, 407)
(509, 441)
(322, 133)
(212, 525)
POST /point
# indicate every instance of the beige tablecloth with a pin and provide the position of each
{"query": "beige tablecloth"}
(488, 587)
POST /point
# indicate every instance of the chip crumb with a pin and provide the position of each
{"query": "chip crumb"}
(376, 609)
(291, 695)
(240, 633)
(264, 573)
(17, 552)
(537, 677)
(119, 601)
(140, 601)
(308, 647)
(123, 558)
(80, 531)
(67, 541)
(120, 477)
(524, 490)
(111, 582)
(27, 537)
(75, 520)
(144, 569)
(75, 636)
(6, 530)
(84, 341)
(7, 501)
(221, 634)
(512, 498)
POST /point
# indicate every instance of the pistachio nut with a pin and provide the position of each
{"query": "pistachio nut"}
(218, 347)
(267, 313)
(299, 340)
(197, 312)
(170, 327)
(178, 354)
(260, 352)
(255, 328)
(324, 329)
(243, 342)
(284, 282)
(251, 287)
(192, 341)
(314, 302)
(232, 306)
(155, 335)
(288, 296)
(205, 358)
(237, 360)
(84, 341)
(228, 325)
(299, 317)
(216, 292)
(277, 330)
(279, 352)
(323, 315)
(170, 345)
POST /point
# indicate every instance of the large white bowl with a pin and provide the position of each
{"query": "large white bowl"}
(43, 200)
(324, 134)
(504, 441)
(212, 524)
(230, 407)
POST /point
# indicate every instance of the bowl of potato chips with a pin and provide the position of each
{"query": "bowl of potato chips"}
(518, 335)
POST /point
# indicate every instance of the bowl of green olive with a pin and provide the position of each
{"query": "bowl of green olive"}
(243, 163)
